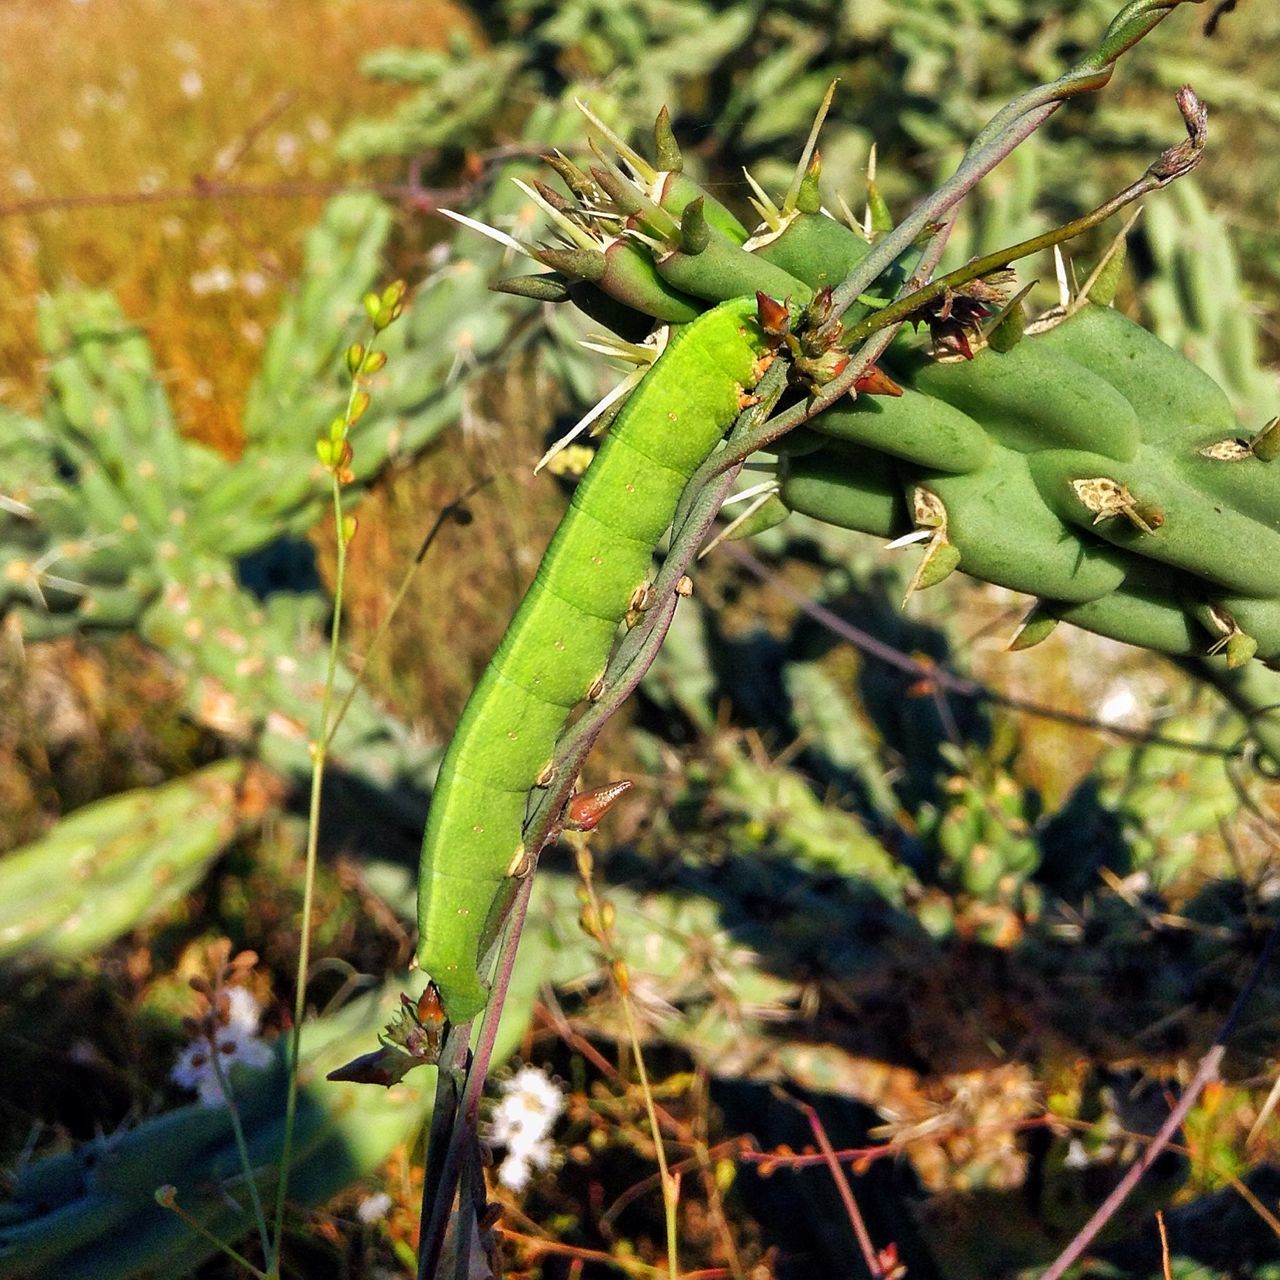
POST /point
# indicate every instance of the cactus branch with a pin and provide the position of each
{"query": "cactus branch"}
(882, 327)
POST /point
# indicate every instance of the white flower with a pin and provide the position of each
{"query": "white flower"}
(522, 1121)
(235, 1041)
(373, 1208)
(191, 82)
(514, 1171)
(218, 279)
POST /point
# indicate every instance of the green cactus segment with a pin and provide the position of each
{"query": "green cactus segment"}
(91, 1213)
(814, 248)
(1146, 507)
(1157, 524)
(1178, 404)
(1063, 464)
(913, 427)
(722, 270)
(848, 485)
(1006, 534)
(1139, 613)
(1226, 468)
(1039, 395)
(1259, 619)
(113, 864)
(557, 644)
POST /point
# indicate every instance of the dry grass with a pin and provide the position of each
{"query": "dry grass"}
(103, 97)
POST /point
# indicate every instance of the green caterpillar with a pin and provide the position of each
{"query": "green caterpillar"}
(1086, 464)
(555, 650)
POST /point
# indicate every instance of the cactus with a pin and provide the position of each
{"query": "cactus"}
(114, 864)
(110, 519)
(1087, 464)
(91, 1212)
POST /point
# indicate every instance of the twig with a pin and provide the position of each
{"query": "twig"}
(449, 1145)
(961, 686)
(1165, 1270)
(204, 187)
(869, 1255)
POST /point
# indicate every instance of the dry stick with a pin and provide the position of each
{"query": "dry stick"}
(201, 188)
(963, 687)
(1206, 1072)
(838, 1176)
(1165, 1269)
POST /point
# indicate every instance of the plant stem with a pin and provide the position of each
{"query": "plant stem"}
(320, 750)
(242, 1148)
(1206, 1072)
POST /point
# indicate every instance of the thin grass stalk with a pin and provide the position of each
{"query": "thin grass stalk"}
(320, 749)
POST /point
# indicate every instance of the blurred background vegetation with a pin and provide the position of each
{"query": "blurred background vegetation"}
(993, 940)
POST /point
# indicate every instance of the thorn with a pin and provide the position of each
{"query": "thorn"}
(666, 148)
(1064, 285)
(588, 808)
(811, 143)
(769, 212)
(566, 224)
(639, 165)
(695, 233)
(573, 177)
(605, 402)
(509, 242)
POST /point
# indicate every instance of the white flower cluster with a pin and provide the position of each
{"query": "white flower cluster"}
(236, 1041)
(522, 1122)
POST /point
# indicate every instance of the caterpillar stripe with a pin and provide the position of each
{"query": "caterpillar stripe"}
(558, 643)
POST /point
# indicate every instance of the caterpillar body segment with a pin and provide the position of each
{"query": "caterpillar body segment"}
(559, 641)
